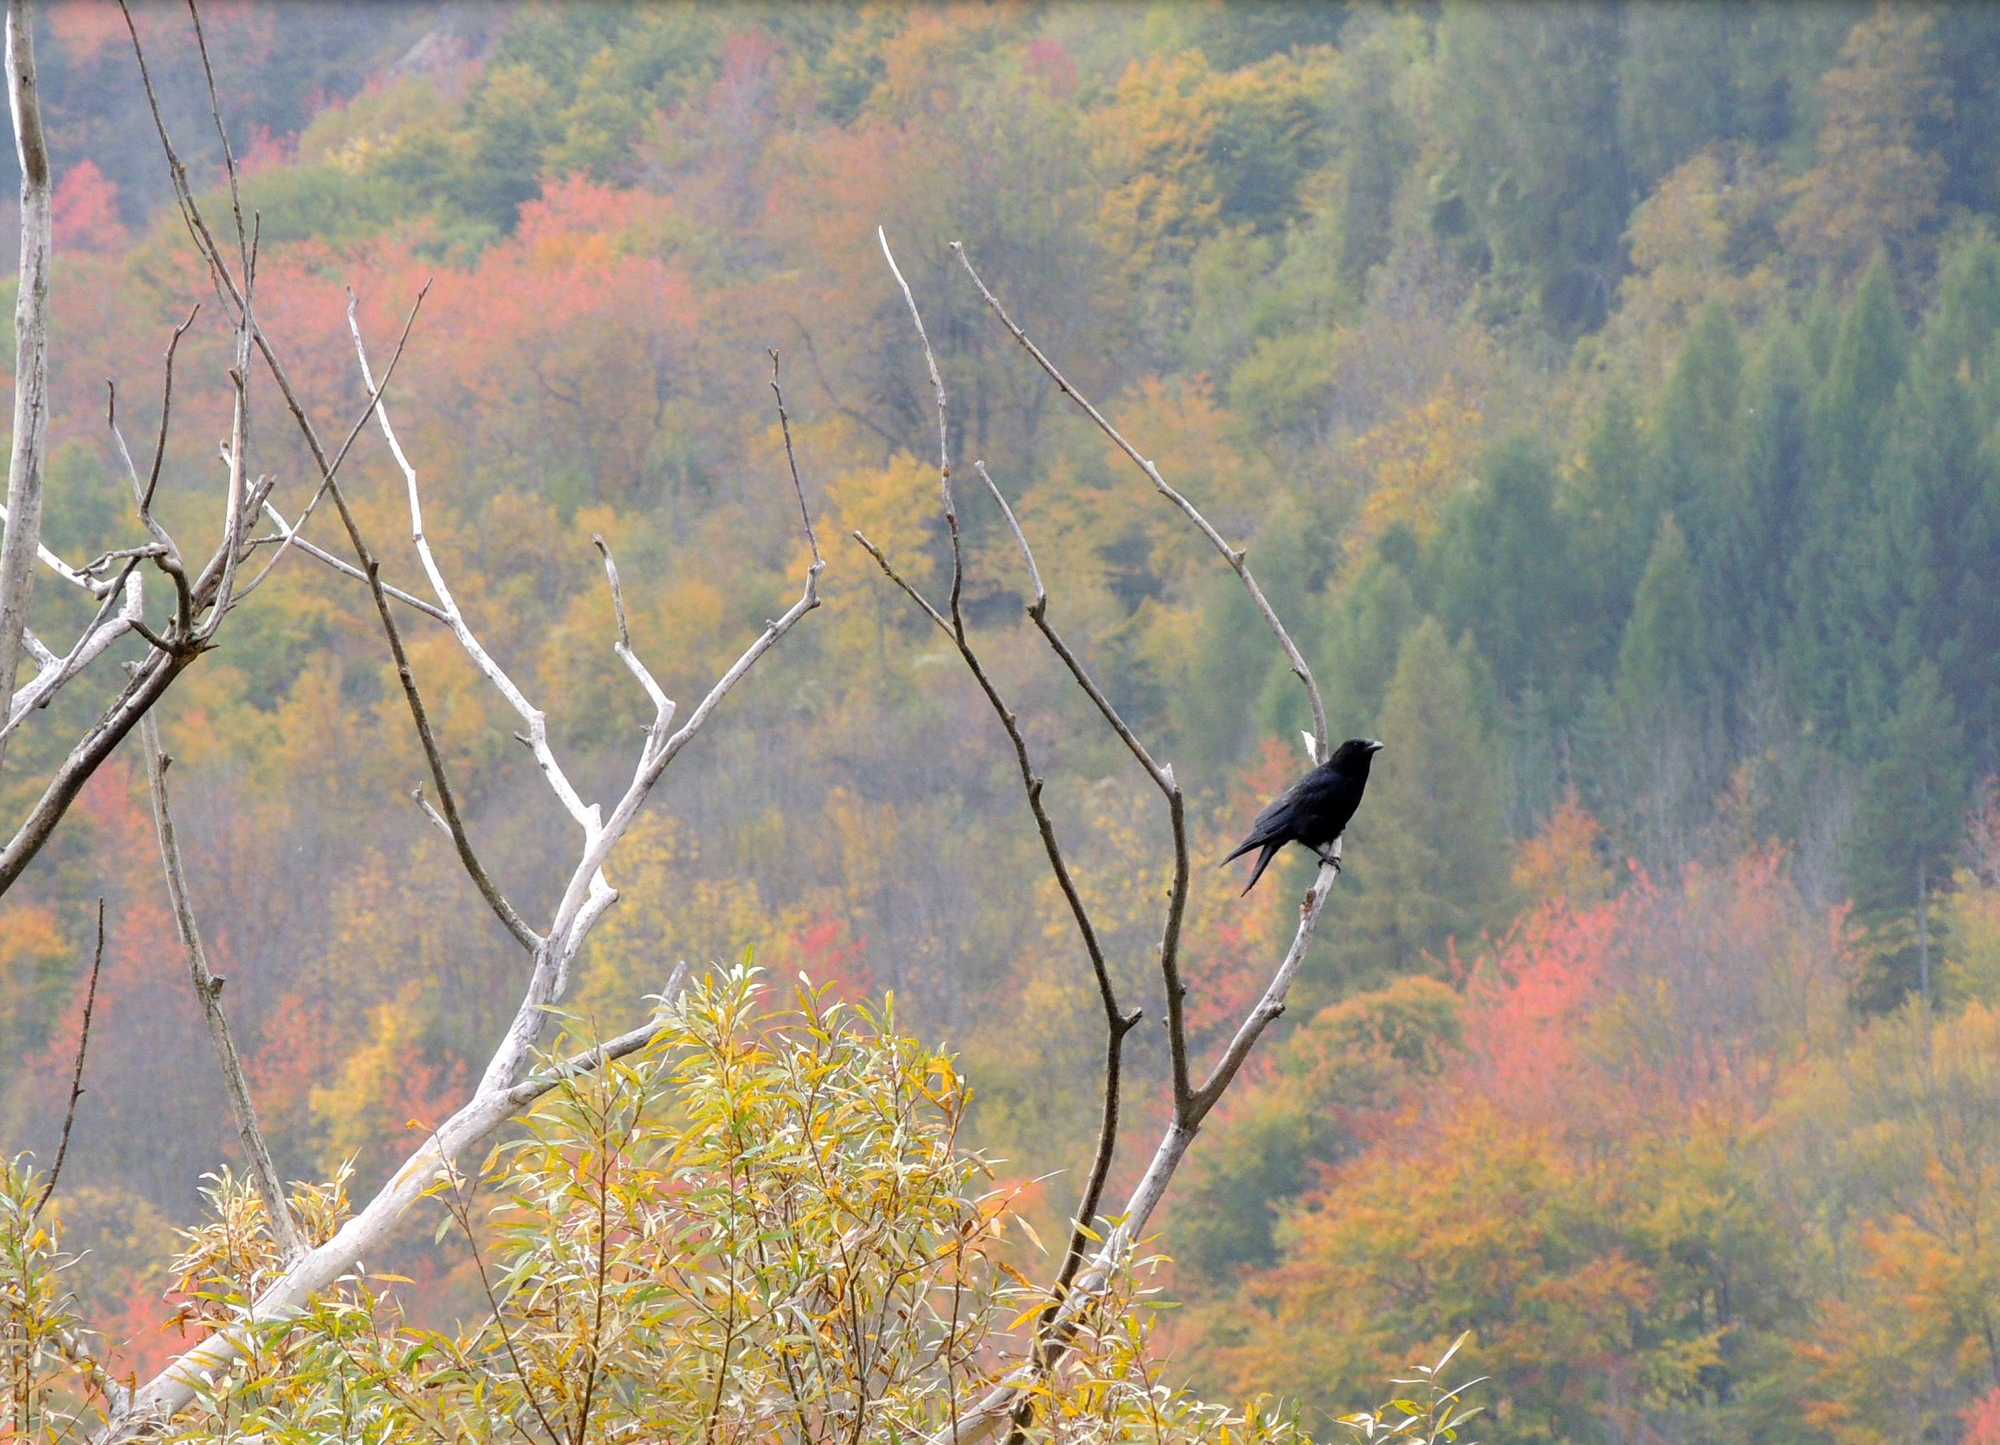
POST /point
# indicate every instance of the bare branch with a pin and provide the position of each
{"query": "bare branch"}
(1020, 539)
(1118, 1023)
(1235, 556)
(332, 469)
(663, 706)
(222, 134)
(1163, 778)
(791, 458)
(76, 1075)
(208, 992)
(56, 565)
(236, 514)
(996, 1409)
(585, 816)
(21, 542)
(104, 629)
(944, 447)
(587, 896)
(345, 569)
(1272, 1004)
(503, 1090)
(146, 687)
(145, 498)
(434, 756)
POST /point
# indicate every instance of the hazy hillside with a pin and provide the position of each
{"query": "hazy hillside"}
(1608, 395)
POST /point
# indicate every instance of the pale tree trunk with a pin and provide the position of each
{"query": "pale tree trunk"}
(31, 350)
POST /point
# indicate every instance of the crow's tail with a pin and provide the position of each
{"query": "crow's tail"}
(1263, 862)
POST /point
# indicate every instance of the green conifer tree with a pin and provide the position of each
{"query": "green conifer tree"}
(1502, 571)
(1364, 638)
(1664, 663)
(1836, 577)
(1762, 530)
(1429, 849)
(1612, 527)
(1907, 824)
(1528, 101)
(1938, 491)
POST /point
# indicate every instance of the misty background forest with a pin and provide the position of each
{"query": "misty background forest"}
(1608, 396)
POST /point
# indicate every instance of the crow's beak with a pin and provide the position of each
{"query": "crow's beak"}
(1374, 747)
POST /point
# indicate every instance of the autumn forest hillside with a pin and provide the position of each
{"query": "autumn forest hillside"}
(1608, 397)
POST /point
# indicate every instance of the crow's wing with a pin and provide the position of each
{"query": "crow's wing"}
(1274, 823)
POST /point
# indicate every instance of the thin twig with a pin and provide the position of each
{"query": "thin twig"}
(333, 467)
(1235, 556)
(103, 630)
(222, 133)
(76, 1074)
(156, 674)
(484, 881)
(585, 816)
(663, 706)
(1163, 778)
(791, 459)
(166, 412)
(944, 438)
(208, 993)
(1118, 1023)
(347, 569)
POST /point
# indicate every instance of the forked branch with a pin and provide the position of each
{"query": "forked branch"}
(1009, 1403)
(506, 1086)
(1117, 1022)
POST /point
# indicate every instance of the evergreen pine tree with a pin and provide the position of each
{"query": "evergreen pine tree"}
(1502, 571)
(1664, 666)
(1939, 494)
(1429, 847)
(1528, 101)
(1670, 744)
(1762, 535)
(1699, 443)
(1836, 577)
(1907, 824)
(1612, 527)
(1699, 479)
(1363, 640)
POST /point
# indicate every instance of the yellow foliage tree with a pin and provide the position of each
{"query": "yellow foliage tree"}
(1413, 462)
(1874, 188)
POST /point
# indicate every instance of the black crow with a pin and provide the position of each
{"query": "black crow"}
(1314, 810)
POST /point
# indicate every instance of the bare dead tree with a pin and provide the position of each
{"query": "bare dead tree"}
(506, 1086)
(31, 354)
(1118, 1023)
(1086, 1273)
